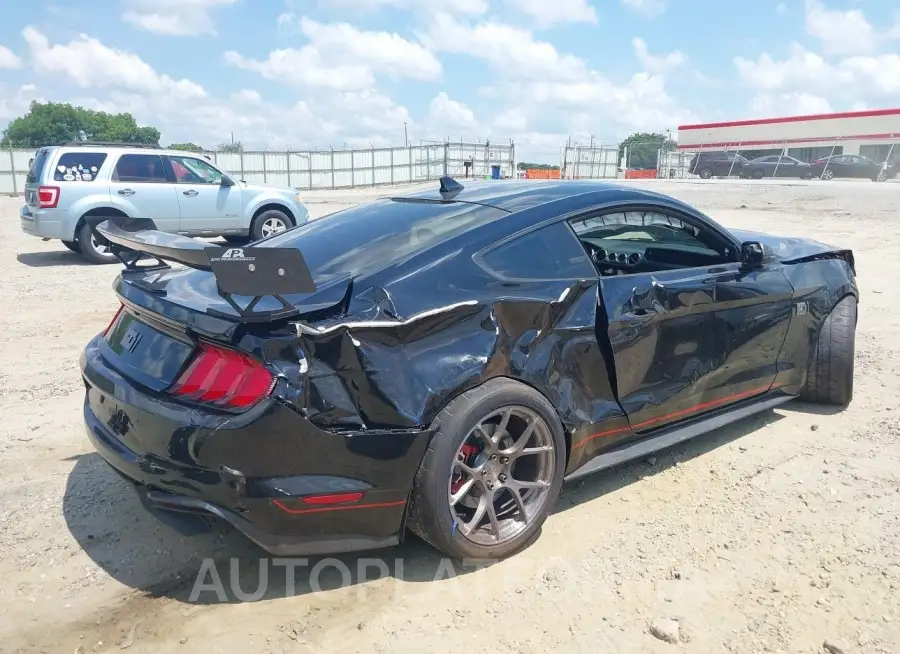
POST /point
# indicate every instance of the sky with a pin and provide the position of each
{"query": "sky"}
(330, 73)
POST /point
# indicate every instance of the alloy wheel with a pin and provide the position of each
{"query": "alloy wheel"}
(501, 475)
(102, 250)
(273, 225)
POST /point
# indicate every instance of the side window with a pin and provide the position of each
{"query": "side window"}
(141, 168)
(78, 166)
(551, 252)
(190, 170)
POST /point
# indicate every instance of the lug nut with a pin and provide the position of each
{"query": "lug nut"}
(493, 456)
(504, 460)
(502, 477)
(490, 486)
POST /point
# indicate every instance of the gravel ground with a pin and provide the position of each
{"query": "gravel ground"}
(778, 534)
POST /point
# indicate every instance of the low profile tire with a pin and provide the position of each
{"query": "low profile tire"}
(269, 222)
(92, 250)
(830, 376)
(492, 472)
(706, 173)
(72, 245)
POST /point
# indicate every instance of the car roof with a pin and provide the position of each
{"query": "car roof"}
(518, 195)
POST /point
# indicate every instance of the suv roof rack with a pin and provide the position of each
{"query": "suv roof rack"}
(105, 144)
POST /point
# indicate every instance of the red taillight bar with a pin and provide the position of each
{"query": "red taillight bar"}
(225, 378)
(113, 321)
(48, 197)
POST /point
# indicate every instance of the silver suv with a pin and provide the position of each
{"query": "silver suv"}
(182, 192)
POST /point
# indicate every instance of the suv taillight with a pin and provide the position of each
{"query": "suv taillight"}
(48, 197)
(225, 378)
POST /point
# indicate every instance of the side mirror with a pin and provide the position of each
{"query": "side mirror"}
(227, 181)
(751, 254)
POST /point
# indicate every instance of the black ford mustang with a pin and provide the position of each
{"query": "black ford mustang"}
(441, 362)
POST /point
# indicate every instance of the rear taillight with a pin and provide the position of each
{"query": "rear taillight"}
(225, 378)
(48, 197)
(112, 322)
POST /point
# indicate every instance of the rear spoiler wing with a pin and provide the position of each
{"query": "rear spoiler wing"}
(254, 272)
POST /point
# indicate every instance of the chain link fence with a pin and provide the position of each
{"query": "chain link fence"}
(330, 169)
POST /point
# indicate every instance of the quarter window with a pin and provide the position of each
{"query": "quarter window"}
(78, 166)
(145, 168)
(551, 252)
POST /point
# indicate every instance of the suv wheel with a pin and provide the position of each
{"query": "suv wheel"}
(270, 222)
(90, 249)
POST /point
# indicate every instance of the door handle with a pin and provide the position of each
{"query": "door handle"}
(190, 193)
(126, 191)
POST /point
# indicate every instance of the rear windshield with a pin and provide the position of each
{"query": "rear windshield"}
(371, 236)
(37, 166)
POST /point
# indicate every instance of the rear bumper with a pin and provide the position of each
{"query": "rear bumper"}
(44, 223)
(252, 471)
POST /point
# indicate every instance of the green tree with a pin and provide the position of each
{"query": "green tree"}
(53, 123)
(235, 146)
(186, 147)
(643, 148)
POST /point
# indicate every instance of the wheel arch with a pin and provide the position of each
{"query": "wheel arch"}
(98, 211)
(450, 397)
(273, 205)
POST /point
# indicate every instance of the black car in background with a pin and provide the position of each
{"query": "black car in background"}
(716, 164)
(853, 166)
(440, 362)
(776, 166)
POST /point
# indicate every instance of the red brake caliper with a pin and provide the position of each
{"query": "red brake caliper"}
(466, 454)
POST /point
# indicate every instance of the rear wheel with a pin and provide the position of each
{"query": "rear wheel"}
(492, 473)
(830, 376)
(92, 250)
(706, 173)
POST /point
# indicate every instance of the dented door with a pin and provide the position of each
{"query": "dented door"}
(690, 340)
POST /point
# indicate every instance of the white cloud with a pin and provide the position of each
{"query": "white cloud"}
(790, 104)
(9, 59)
(841, 32)
(468, 7)
(343, 57)
(807, 72)
(649, 8)
(670, 61)
(510, 50)
(174, 17)
(444, 112)
(803, 69)
(547, 14)
(88, 63)
(15, 103)
(555, 91)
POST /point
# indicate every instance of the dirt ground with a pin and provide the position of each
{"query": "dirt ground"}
(773, 535)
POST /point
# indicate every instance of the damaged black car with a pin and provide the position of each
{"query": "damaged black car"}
(442, 362)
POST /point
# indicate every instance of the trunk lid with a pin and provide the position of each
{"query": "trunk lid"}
(188, 298)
